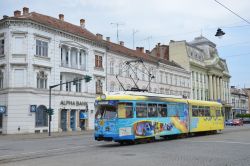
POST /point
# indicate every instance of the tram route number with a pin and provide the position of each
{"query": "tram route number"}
(125, 131)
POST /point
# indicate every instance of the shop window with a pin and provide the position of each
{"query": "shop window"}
(41, 116)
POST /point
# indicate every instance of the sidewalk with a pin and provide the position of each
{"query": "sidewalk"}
(45, 135)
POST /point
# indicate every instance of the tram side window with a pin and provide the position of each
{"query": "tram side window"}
(194, 111)
(152, 110)
(201, 111)
(162, 110)
(218, 113)
(207, 111)
(141, 110)
(125, 110)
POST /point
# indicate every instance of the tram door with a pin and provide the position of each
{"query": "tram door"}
(83, 119)
(64, 120)
(73, 120)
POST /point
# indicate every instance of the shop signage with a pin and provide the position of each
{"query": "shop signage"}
(2, 109)
(32, 108)
(75, 103)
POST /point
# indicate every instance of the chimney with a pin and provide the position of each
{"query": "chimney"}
(5, 16)
(61, 17)
(99, 36)
(147, 52)
(142, 49)
(25, 11)
(122, 43)
(108, 39)
(82, 23)
(159, 44)
(17, 13)
(138, 49)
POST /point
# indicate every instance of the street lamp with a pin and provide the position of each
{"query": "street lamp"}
(50, 110)
(219, 33)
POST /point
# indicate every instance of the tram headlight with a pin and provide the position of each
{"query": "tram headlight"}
(103, 96)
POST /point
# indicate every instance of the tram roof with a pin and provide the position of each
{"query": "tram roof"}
(204, 103)
(132, 95)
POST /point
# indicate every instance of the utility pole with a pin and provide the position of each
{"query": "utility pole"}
(117, 29)
(134, 32)
(148, 40)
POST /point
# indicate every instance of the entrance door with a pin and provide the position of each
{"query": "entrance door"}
(73, 120)
(1, 122)
(64, 120)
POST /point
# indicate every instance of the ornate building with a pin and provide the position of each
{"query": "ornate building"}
(239, 101)
(210, 75)
(38, 51)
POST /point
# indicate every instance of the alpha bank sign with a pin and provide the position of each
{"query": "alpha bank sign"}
(73, 103)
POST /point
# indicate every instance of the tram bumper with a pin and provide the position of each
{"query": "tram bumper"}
(106, 137)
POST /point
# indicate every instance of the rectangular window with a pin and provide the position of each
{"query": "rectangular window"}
(19, 45)
(218, 113)
(1, 46)
(141, 110)
(207, 111)
(201, 111)
(98, 61)
(162, 110)
(41, 48)
(1, 79)
(195, 111)
(125, 110)
(19, 77)
(152, 110)
(98, 87)
(175, 110)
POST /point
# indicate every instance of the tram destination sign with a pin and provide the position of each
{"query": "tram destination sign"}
(75, 103)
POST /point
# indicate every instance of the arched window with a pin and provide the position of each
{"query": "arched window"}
(41, 80)
(1, 79)
(41, 116)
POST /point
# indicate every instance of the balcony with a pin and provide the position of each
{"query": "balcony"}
(72, 65)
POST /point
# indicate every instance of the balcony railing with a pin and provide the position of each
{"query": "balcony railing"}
(73, 66)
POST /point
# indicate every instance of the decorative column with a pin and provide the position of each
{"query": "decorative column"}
(78, 59)
(211, 97)
(221, 90)
(68, 120)
(218, 87)
(78, 120)
(195, 86)
(214, 87)
(69, 56)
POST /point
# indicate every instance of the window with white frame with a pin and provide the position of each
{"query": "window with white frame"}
(120, 69)
(98, 61)
(78, 84)
(111, 67)
(1, 46)
(41, 48)
(112, 87)
(1, 79)
(19, 45)
(99, 86)
(143, 74)
(41, 80)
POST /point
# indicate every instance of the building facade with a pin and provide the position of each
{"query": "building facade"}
(168, 77)
(239, 101)
(247, 91)
(38, 51)
(210, 74)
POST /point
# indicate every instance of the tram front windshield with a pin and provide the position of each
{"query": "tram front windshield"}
(106, 112)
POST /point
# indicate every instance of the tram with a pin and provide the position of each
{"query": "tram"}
(130, 116)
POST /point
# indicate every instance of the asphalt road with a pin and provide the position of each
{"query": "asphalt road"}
(231, 147)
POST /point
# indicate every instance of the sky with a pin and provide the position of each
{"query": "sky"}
(159, 21)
